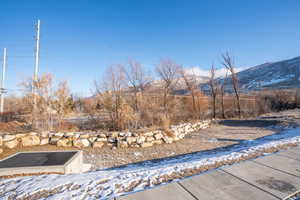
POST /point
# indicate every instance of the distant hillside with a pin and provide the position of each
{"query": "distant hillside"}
(282, 74)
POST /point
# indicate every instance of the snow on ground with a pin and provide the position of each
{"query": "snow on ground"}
(111, 182)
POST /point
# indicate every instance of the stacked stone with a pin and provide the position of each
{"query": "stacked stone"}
(98, 139)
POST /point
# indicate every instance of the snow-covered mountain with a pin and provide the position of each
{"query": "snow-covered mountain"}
(282, 74)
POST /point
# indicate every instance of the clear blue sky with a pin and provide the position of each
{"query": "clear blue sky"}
(80, 38)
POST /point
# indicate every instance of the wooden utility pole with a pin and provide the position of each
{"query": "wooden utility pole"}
(36, 71)
(2, 90)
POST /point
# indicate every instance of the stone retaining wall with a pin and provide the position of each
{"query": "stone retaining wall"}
(99, 139)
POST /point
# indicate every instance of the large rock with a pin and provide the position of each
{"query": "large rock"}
(130, 140)
(149, 139)
(64, 142)
(97, 144)
(148, 134)
(140, 139)
(1, 150)
(101, 140)
(80, 143)
(113, 134)
(54, 140)
(101, 135)
(84, 136)
(112, 140)
(167, 140)
(58, 134)
(30, 140)
(44, 141)
(11, 144)
(69, 134)
(158, 136)
(92, 139)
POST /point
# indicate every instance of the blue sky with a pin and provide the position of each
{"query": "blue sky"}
(80, 38)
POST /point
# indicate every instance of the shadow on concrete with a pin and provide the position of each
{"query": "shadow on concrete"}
(249, 123)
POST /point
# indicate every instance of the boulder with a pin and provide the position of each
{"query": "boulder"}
(128, 134)
(146, 144)
(113, 134)
(122, 134)
(112, 140)
(69, 134)
(44, 140)
(97, 144)
(11, 144)
(92, 139)
(64, 142)
(54, 140)
(101, 140)
(140, 139)
(102, 135)
(58, 134)
(1, 150)
(80, 143)
(30, 140)
(150, 139)
(8, 137)
(84, 136)
(158, 136)
(130, 140)
(167, 140)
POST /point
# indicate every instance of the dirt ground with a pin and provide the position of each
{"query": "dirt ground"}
(221, 133)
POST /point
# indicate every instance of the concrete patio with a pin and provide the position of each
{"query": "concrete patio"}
(275, 176)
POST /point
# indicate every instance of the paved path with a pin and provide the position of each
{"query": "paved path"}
(270, 177)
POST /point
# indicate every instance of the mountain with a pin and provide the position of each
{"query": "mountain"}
(275, 75)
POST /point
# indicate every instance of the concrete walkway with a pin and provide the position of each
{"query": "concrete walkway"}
(270, 177)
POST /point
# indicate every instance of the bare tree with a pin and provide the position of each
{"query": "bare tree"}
(63, 102)
(111, 93)
(192, 85)
(213, 89)
(222, 92)
(44, 93)
(137, 79)
(168, 72)
(229, 65)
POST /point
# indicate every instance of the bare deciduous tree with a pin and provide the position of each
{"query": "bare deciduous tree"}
(168, 72)
(63, 102)
(213, 89)
(137, 79)
(229, 65)
(192, 85)
(111, 93)
(222, 93)
(43, 92)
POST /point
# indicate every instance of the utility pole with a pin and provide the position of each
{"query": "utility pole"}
(2, 90)
(36, 70)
